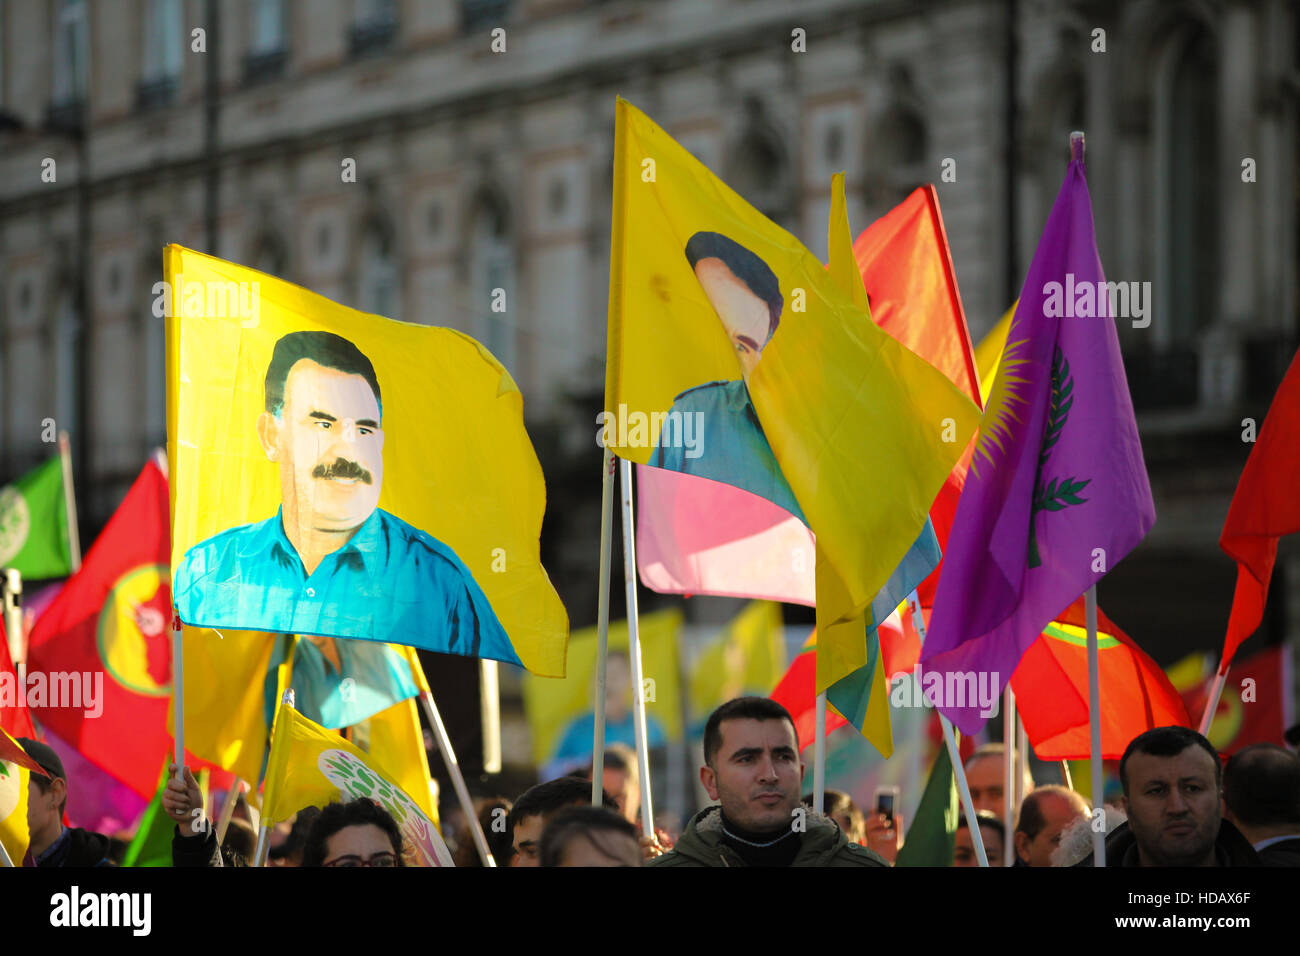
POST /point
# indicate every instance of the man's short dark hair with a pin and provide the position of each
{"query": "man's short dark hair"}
(546, 798)
(594, 824)
(837, 801)
(745, 266)
(741, 708)
(354, 813)
(1261, 786)
(324, 348)
(1168, 742)
(986, 818)
(1032, 819)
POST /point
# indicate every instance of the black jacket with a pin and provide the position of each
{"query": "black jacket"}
(78, 847)
(1230, 848)
(1285, 853)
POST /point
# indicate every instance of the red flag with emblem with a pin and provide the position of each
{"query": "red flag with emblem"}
(104, 645)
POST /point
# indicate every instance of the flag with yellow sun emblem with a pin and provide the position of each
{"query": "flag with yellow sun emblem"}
(1058, 490)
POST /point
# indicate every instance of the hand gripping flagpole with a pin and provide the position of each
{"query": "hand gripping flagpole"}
(634, 647)
(954, 752)
(602, 626)
(1094, 728)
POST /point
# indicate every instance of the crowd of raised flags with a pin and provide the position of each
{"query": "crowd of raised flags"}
(370, 484)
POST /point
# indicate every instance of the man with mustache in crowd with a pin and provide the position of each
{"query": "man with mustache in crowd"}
(331, 562)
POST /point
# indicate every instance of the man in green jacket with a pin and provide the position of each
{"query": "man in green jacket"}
(752, 768)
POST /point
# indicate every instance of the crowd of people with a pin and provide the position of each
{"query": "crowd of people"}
(1181, 806)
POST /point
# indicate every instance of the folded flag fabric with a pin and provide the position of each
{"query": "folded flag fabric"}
(702, 287)
(1058, 492)
(15, 718)
(988, 354)
(15, 772)
(1264, 507)
(1256, 705)
(34, 523)
(342, 475)
(1051, 686)
(795, 692)
(931, 839)
(312, 767)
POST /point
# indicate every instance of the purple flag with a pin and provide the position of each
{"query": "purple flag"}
(1057, 492)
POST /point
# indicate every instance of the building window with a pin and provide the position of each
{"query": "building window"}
(478, 15)
(374, 27)
(163, 47)
(267, 43)
(378, 285)
(759, 169)
(70, 52)
(492, 282)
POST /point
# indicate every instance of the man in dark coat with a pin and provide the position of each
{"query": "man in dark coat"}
(53, 844)
(1261, 789)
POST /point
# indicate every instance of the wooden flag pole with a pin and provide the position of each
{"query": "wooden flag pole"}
(602, 626)
(1008, 773)
(634, 649)
(1094, 727)
(1212, 702)
(70, 501)
(819, 757)
(457, 778)
(954, 752)
(1065, 775)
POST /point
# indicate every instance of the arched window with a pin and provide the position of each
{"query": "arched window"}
(759, 167)
(492, 279)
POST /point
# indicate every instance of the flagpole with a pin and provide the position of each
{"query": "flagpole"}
(457, 779)
(1212, 702)
(287, 699)
(634, 649)
(1065, 775)
(489, 701)
(178, 694)
(1008, 773)
(11, 594)
(819, 757)
(228, 809)
(602, 626)
(1094, 726)
(954, 752)
(70, 501)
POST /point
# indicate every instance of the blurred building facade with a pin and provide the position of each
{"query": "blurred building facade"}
(479, 169)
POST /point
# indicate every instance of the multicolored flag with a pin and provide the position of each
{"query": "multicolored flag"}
(1051, 686)
(796, 693)
(746, 659)
(34, 523)
(1264, 507)
(1257, 703)
(310, 766)
(346, 476)
(560, 714)
(702, 287)
(15, 772)
(1058, 492)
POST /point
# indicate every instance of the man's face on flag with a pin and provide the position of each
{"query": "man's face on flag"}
(743, 314)
(329, 444)
(1173, 806)
(756, 774)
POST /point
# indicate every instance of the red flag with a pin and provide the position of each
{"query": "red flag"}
(14, 717)
(110, 628)
(1264, 507)
(912, 288)
(1051, 685)
(11, 751)
(1255, 704)
(795, 692)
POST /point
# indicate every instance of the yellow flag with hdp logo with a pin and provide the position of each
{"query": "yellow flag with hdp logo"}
(310, 766)
(735, 356)
(344, 475)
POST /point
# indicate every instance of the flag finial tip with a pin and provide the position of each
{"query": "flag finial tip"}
(1076, 145)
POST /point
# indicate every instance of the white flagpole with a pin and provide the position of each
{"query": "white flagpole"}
(819, 757)
(634, 648)
(602, 626)
(954, 752)
(1094, 726)
(489, 702)
(1212, 702)
(228, 809)
(1008, 773)
(11, 596)
(70, 501)
(457, 779)
(178, 693)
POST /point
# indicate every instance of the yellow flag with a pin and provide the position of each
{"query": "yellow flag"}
(701, 287)
(560, 711)
(395, 739)
(310, 766)
(344, 475)
(988, 354)
(14, 777)
(747, 658)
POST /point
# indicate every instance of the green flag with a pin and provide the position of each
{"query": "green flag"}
(34, 524)
(930, 838)
(152, 843)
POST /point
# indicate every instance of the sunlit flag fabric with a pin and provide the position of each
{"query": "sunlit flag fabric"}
(34, 523)
(1257, 704)
(15, 718)
(15, 772)
(746, 659)
(104, 644)
(559, 712)
(312, 767)
(931, 839)
(1264, 507)
(1051, 686)
(701, 285)
(1057, 493)
(344, 475)
(795, 692)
